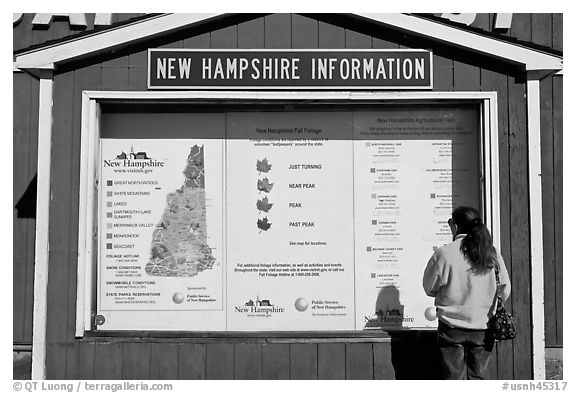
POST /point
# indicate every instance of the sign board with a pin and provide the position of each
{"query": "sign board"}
(289, 69)
(281, 221)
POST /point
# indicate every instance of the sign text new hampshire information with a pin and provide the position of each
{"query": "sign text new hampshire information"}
(289, 69)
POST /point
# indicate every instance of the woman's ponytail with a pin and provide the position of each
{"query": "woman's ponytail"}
(477, 244)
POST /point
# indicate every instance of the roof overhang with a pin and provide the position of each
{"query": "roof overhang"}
(102, 41)
(536, 63)
(532, 61)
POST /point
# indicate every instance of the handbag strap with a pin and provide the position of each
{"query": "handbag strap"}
(496, 270)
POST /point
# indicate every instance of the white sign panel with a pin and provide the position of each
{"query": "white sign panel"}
(290, 238)
(161, 231)
(411, 168)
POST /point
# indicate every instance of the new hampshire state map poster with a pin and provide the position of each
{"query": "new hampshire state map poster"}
(161, 233)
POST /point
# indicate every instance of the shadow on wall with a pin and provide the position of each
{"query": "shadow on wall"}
(414, 353)
(26, 205)
(388, 313)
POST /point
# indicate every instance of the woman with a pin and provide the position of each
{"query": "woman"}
(461, 276)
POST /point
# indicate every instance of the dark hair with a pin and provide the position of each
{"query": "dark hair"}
(477, 246)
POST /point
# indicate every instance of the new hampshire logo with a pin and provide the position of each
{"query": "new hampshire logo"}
(258, 308)
(133, 159)
(141, 155)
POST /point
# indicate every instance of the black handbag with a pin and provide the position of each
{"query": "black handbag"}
(502, 325)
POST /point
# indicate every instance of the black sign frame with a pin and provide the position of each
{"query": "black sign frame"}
(285, 63)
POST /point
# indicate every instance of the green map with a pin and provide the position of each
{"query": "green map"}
(179, 247)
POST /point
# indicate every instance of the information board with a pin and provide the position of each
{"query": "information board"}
(291, 221)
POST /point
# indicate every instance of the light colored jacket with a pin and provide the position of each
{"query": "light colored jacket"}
(463, 298)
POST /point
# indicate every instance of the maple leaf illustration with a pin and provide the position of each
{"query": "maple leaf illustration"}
(265, 185)
(263, 166)
(263, 224)
(263, 206)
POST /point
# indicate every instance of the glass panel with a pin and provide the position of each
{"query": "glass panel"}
(278, 218)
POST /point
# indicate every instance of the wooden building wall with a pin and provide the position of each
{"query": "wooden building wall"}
(25, 148)
(410, 355)
(547, 31)
(24, 164)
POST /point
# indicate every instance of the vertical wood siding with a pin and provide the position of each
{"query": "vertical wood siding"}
(359, 361)
(25, 159)
(411, 357)
(547, 30)
(247, 361)
(220, 361)
(164, 361)
(557, 265)
(276, 361)
(519, 212)
(519, 227)
(494, 81)
(331, 361)
(192, 361)
(108, 360)
(303, 361)
(136, 358)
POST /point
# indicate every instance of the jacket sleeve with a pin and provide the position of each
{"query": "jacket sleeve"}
(432, 280)
(505, 286)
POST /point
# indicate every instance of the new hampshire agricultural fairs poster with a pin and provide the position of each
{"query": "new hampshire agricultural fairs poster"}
(295, 221)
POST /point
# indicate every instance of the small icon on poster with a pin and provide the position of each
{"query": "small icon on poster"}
(301, 304)
(178, 298)
(430, 313)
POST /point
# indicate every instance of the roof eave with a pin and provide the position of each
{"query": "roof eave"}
(530, 60)
(49, 57)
